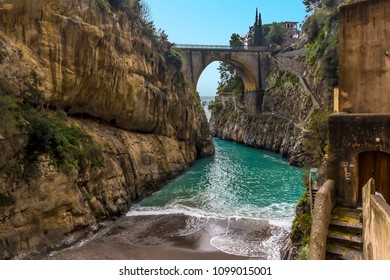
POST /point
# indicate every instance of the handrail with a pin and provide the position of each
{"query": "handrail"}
(220, 47)
(323, 206)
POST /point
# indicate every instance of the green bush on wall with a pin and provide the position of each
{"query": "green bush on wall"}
(69, 146)
(173, 57)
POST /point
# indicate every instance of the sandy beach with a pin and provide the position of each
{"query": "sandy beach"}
(160, 237)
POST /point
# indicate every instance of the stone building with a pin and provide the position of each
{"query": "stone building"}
(291, 32)
(359, 139)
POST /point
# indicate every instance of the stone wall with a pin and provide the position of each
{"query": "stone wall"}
(324, 202)
(292, 60)
(376, 225)
(364, 56)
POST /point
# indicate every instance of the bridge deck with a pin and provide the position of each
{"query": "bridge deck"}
(222, 48)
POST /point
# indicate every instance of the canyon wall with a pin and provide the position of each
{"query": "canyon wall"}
(280, 124)
(114, 81)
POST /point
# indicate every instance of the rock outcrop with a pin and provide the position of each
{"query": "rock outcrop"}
(281, 125)
(94, 62)
(98, 62)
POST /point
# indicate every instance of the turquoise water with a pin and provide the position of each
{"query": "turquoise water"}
(238, 182)
(243, 198)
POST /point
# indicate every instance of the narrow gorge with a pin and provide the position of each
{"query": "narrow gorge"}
(280, 122)
(103, 72)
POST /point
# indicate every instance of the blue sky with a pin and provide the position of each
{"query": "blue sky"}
(211, 22)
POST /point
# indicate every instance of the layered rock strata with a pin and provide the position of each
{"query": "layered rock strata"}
(96, 63)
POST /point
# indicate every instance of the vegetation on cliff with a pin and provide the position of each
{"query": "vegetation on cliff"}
(230, 80)
(321, 27)
(102, 123)
(274, 33)
(316, 141)
(301, 227)
(45, 131)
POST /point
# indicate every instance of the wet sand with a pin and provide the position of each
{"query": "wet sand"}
(146, 238)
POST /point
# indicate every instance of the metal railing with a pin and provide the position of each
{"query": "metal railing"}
(221, 47)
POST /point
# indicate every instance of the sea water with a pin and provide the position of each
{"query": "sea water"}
(244, 197)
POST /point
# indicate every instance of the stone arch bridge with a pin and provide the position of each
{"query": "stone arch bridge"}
(252, 64)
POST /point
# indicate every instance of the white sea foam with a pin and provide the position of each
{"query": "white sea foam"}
(232, 201)
(278, 214)
(231, 233)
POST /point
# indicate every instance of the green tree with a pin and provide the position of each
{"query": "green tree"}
(236, 40)
(312, 4)
(316, 142)
(275, 34)
(230, 81)
(312, 27)
(145, 11)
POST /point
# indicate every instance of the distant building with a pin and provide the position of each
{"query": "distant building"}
(291, 30)
(290, 24)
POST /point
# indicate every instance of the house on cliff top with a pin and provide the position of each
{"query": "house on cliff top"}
(351, 218)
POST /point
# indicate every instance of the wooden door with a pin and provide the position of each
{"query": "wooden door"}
(375, 165)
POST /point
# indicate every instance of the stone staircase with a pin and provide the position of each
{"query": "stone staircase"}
(345, 241)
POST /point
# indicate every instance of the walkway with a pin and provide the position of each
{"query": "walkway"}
(345, 241)
(222, 48)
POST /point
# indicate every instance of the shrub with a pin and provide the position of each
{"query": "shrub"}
(101, 5)
(321, 28)
(40, 135)
(32, 96)
(3, 53)
(275, 34)
(316, 141)
(8, 116)
(68, 146)
(117, 4)
(173, 57)
(133, 11)
(5, 200)
(301, 229)
(215, 104)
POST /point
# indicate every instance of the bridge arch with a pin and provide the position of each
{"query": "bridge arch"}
(243, 69)
(251, 63)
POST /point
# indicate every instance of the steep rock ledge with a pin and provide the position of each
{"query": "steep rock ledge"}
(281, 125)
(57, 208)
(99, 64)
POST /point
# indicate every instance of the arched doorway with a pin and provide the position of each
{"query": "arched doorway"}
(375, 165)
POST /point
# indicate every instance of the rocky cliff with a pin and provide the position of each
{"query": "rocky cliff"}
(281, 123)
(101, 64)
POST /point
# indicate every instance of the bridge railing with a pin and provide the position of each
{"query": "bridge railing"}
(220, 47)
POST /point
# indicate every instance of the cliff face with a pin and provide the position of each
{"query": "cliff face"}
(56, 208)
(281, 124)
(98, 62)
(95, 62)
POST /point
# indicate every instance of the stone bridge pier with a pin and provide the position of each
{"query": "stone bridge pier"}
(251, 63)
